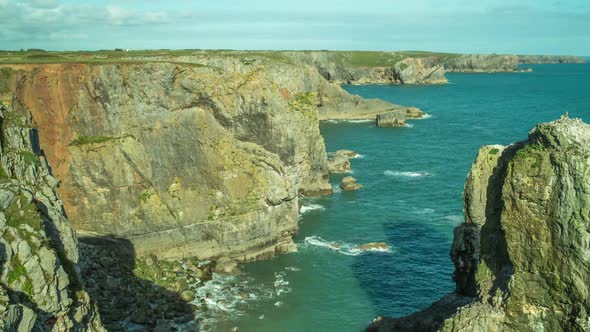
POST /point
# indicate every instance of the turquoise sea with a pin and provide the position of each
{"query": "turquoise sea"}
(413, 180)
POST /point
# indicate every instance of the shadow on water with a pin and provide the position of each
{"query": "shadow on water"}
(416, 253)
(125, 301)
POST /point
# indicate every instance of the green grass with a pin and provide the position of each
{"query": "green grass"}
(531, 151)
(29, 157)
(16, 271)
(27, 214)
(494, 151)
(351, 58)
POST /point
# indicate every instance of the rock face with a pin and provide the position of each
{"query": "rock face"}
(338, 162)
(481, 63)
(203, 156)
(522, 258)
(40, 287)
(181, 160)
(419, 71)
(373, 246)
(540, 59)
(349, 184)
(391, 119)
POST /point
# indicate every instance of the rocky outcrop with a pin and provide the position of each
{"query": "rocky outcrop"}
(357, 68)
(349, 184)
(522, 257)
(338, 162)
(391, 119)
(484, 63)
(40, 286)
(541, 59)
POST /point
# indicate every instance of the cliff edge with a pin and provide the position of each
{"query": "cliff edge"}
(40, 286)
(522, 257)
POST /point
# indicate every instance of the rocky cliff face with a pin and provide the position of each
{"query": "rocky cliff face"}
(205, 156)
(40, 286)
(337, 68)
(522, 258)
(485, 63)
(540, 59)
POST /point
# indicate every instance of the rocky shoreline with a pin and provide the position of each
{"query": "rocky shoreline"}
(127, 187)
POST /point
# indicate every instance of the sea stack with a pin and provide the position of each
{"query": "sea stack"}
(522, 258)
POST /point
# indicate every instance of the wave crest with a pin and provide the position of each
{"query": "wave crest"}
(406, 174)
(344, 248)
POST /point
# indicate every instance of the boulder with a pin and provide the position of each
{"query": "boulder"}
(391, 119)
(338, 163)
(349, 184)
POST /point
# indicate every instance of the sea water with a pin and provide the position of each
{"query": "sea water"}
(413, 179)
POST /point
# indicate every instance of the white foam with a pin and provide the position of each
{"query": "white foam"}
(344, 248)
(425, 211)
(332, 121)
(409, 125)
(336, 189)
(456, 218)
(424, 117)
(311, 207)
(358, 156)
(406, 174)
(293, 268)
(360, 121)
(228, 297)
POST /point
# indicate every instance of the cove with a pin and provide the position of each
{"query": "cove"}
(413, 180)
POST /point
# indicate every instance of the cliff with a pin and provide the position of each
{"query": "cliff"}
(541, 59)
(200, 155)
(40, 286)
(522, 257)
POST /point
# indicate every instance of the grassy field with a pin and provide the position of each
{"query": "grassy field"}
(349, 58)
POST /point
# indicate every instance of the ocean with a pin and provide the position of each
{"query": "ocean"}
(413, 180)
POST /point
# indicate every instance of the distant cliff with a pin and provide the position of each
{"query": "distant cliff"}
(40, 286)
(522, 257)
(540, 59)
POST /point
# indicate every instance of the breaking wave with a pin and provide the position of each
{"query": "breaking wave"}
(406, 174)
(311, 207)
(344, 248)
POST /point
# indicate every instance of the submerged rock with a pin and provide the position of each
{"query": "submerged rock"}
(391, 119)
(349, 184)
(522, 259)
(373, 246)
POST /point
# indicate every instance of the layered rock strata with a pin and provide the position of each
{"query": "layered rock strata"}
(522, 257)
(202, 157)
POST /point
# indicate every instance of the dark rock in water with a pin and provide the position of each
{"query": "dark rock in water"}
(391, 119)
(522, 258)
(349, 184)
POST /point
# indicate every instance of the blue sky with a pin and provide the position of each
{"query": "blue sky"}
(466, 26)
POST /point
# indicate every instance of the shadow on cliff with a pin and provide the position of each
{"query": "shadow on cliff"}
(125, 300)
(494, 249)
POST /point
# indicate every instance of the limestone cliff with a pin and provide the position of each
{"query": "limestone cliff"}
(522, 257)
(40, 286)
(540, 59)
(199, 155)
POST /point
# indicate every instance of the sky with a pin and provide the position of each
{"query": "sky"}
(462, 26)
